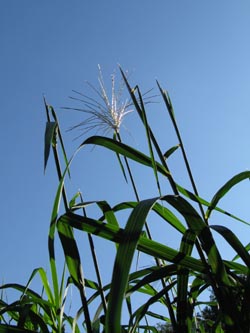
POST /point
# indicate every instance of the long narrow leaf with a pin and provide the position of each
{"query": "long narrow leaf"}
(162, 211)
(235, 243)
(200, 228)
(183, 319)
(145, 122)
(124, 150)
(145, 245)
(170, 151)
(196, 198)
(225, 188)
(123, 263)
(142, 311)
(71, 253)
(60, 136)
(13, 329)
(151, 134)
(48, 138)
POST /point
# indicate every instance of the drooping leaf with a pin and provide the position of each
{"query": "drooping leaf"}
(235, 243)
(156, 275)
(200, 228)
(145, 245)
(247, 248)
(71, 253)
(108, 212)
(162, 211)
(124, 150)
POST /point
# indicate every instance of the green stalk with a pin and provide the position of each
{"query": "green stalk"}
(57, 161)
(51, 240)
(157, 260)
(169, 106)
(157, 148)
(97, 271)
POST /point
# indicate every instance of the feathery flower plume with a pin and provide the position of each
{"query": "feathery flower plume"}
(105, 113)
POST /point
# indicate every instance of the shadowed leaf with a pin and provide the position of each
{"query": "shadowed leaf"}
(48, 140)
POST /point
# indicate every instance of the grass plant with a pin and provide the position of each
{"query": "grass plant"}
(177, 277)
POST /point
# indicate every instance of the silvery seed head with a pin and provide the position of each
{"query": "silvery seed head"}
(105, 111)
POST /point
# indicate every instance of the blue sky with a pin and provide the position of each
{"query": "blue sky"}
(199, 52)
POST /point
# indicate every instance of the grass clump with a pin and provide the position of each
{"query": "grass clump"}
(172, 286)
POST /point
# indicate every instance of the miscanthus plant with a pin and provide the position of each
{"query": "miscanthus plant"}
(170, 288)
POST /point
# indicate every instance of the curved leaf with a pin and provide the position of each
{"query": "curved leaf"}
(233, 240)
(225, 188)
(142, 310)
(125, 150)
(200, 228)
(123, 261)
(145, 245)
(71, 253)
(200, 200)
(156, 275)
(162, 211)
(170, 151)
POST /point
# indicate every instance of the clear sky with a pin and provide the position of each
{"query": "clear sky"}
(198, 50)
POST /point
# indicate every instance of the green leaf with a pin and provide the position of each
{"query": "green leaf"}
(71, 253)
(72, 202)
(60, 136)
(170, 151)
(225, 188)
(145, 245)
(198, 199)
(200, 228)
(235, 243)
(119, 159)
(149, 139)
(158, 274)
(123, 262)
(124, 150)
(45, 283)
(48, 140)
(247, 248)
(14, 329)
(108, 213)
(149, 132)
(186, 247)
(162, 211)
(142, 310)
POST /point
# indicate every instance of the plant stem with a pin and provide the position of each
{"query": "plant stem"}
(65, 201)
(97, 271)
(157, 260)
